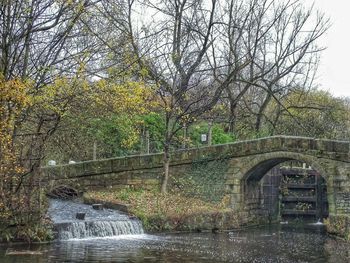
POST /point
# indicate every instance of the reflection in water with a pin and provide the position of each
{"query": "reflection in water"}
(254, 245)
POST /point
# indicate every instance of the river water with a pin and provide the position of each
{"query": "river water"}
(268, 244)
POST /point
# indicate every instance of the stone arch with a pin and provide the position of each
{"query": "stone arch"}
(262, 163)
(63, 192)
(253, 168)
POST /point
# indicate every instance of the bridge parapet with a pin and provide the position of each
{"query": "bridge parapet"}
(330, 149)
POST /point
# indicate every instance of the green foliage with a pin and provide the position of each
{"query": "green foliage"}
(219, 136)
(155, 124)
(247, 132)
(106, 112)
(118, 134)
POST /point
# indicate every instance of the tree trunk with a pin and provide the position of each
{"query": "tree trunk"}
(166, 157)
(164, 187)
(261, 112)
(232, 117)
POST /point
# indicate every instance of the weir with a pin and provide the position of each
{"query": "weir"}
(97, 223)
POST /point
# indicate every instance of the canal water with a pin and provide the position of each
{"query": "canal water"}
(268, 244)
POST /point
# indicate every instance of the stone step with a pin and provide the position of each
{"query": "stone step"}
(298, 212)
(97, 206)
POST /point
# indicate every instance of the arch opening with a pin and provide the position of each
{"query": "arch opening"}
(63, 192)
(285, 189)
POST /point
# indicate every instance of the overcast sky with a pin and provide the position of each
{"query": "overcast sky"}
(334, 71)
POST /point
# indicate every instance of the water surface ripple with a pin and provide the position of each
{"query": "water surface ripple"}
(272, 244)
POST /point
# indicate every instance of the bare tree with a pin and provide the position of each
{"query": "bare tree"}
(280, 38)
(175, 51)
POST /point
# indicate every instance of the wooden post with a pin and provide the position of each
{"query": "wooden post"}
(184, 136)
(142, 140)
(210, 125)
(147, 142)
(94, 151)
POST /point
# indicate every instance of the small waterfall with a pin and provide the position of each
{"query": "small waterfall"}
(81, 229)
(97, 223)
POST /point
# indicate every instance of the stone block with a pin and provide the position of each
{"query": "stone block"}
(97, 206)
(118, 164)
(290, 143)
(157, 160)
(97, 167)
(327, 146)
(80, 216)
(52, 173)
(341, 147)
(66, 172)
(131, 163)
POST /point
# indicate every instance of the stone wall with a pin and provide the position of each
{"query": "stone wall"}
(201, 178)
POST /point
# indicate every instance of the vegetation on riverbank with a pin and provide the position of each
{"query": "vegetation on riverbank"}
(338, 226)
(31, 231)
(23, 224)
(169, 212)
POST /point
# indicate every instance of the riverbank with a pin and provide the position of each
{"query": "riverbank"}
(338, 226)
(39, 232)
(34, 227)
(167, 212)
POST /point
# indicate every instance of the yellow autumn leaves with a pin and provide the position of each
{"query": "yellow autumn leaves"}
(65, 95)
(131, 96)
(14, 97)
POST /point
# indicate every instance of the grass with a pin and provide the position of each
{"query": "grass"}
(161, 212)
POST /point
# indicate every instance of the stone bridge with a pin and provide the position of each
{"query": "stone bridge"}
(229, 172)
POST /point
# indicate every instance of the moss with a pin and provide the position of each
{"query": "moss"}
(205, 179)
(339, 226)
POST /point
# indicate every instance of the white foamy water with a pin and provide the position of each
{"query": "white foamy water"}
(97, 223)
